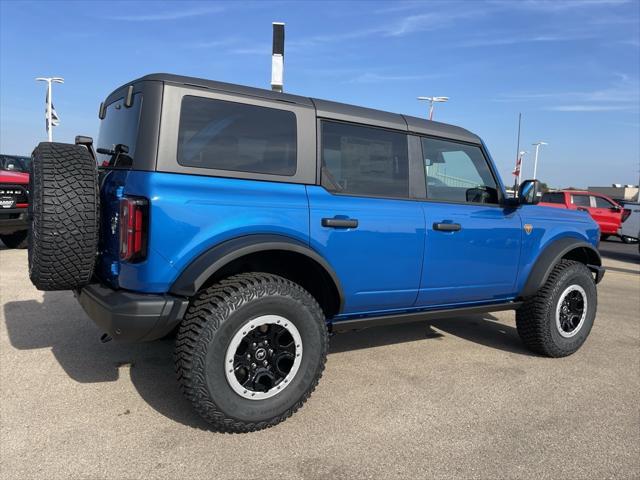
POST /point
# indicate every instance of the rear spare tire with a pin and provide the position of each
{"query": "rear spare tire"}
(63, 237)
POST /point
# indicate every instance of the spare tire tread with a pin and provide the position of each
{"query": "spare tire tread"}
(64, 216)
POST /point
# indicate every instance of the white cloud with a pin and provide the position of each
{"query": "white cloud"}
(168, 15)
(622, 94)
(589, 108)
(381, 78)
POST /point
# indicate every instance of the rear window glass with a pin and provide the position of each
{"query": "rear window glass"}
(233, 136)
(552, 197)
(364, 160)
(119, 126)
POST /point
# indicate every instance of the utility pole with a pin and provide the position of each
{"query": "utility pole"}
(49, 111)
(535, 162)
(431, 101)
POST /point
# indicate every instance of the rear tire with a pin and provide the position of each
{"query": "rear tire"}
(236, 379)
(545, 325)
(15, 239)
(63, 238)
(604, 237)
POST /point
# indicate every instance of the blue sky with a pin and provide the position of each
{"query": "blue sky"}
(571, 67)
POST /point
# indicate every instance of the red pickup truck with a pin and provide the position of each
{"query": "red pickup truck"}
(14, 194)
(606, 212)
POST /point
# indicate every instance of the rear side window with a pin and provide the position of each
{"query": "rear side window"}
(364, 161)
(457, 172)
(234, 136)
(580, 200)
(551, 197)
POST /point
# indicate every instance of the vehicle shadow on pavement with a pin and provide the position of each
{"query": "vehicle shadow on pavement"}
(59, 324)
(481, 329)
(630, 256)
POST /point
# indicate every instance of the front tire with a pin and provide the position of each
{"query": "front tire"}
(15, 239)
(250, 351)
(557, 321)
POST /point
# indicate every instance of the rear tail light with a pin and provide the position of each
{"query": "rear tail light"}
(134, 216)
(625, 214)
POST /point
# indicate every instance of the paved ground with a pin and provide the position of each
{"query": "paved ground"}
(457, 398)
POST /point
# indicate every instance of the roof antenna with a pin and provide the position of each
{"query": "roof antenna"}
(277, 57)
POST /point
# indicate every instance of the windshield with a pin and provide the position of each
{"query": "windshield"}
(14, 163)
(119, 126)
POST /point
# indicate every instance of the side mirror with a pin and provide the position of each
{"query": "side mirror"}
(529, 192)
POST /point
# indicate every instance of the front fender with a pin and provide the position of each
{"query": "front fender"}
(569, 247)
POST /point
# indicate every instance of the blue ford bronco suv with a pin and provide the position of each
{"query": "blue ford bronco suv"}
(255, 223)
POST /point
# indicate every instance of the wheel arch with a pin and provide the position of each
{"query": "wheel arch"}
(277, 254)
(563, 248)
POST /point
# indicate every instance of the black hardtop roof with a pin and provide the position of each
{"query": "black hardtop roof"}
(324, 108)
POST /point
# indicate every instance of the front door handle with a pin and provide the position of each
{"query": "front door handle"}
(447, 227)
(340, 222)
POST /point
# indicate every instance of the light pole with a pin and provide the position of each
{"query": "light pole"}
(431, 101)
(535, 162)
(49, 81)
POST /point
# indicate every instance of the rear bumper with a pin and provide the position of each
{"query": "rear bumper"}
(13, 220)
(129, 316)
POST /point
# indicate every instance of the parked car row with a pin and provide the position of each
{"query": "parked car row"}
(608, 214)
(14, 200)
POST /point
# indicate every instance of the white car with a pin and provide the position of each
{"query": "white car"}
(630, 228)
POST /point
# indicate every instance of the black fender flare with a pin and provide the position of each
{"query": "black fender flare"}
(552, 254)
(207, 263)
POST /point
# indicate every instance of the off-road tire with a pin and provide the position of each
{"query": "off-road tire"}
(15, 239)
(536, 321)
(63, 212)
(217, 314)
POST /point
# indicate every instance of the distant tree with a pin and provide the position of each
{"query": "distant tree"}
(544, 187)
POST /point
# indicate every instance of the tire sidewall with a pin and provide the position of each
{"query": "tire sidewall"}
(214, 347)
(574, 275)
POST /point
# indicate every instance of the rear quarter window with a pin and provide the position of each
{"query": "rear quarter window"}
(222, 135)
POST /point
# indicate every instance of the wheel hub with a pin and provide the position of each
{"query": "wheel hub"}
(571, 311)
(263, 357)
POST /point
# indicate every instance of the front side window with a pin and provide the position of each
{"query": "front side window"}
(223, 135)
(364, 161)
(456, 172)
(602, 202)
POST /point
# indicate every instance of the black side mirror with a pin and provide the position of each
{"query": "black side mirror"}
(529, 192)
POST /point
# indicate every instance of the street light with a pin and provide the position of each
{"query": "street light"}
(49, 81)
(535, 162)
(431, 101)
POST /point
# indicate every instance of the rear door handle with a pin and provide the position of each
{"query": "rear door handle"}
(447, 227)
(340, 222)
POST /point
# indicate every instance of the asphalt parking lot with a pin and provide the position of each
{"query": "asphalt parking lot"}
(450, 398)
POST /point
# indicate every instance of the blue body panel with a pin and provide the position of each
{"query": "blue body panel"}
(550, 224)
(191, 213)
(392, 262)
(380, 261)
(477, 263)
